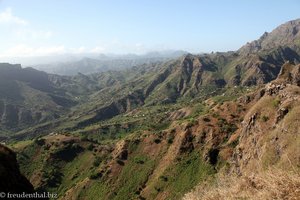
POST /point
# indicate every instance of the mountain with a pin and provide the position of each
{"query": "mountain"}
(102, 63)
(160, 129)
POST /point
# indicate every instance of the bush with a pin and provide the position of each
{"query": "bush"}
(120, 162)
(164, 178)
(276, 102)
(96, 175)
(140, 159)
(170, 140)
(264, 118)
(90, 147)
(40, 141)
(97, 161)
(157, 140)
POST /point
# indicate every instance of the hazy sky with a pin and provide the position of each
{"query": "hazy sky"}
(44, 27)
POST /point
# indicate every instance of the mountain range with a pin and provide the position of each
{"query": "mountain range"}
(94, 63)
(155, 128)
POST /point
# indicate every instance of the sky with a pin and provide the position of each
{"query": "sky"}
(55, 27)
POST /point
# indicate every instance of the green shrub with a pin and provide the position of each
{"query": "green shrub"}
(264, 118)
(96, 175)
(276, 102)
(97, 161)
(140, 159)
(170, 140)
(90, 147)
(157, 140)
(164, 178)
(40, 141)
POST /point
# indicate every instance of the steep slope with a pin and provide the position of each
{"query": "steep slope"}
(270, 130)
(264, 163)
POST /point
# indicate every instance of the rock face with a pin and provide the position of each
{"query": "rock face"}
(11, 178)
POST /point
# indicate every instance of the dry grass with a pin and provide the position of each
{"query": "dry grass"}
(270, 185)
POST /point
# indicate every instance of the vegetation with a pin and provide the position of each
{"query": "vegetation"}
(275, 102)
(264, 118)
(186, 174)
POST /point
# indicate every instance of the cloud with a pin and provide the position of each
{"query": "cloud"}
(20, 29)
(78, 50)
(139, 47)
(33, 34)
(7, 17)
(97, 50)
(22, 50)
